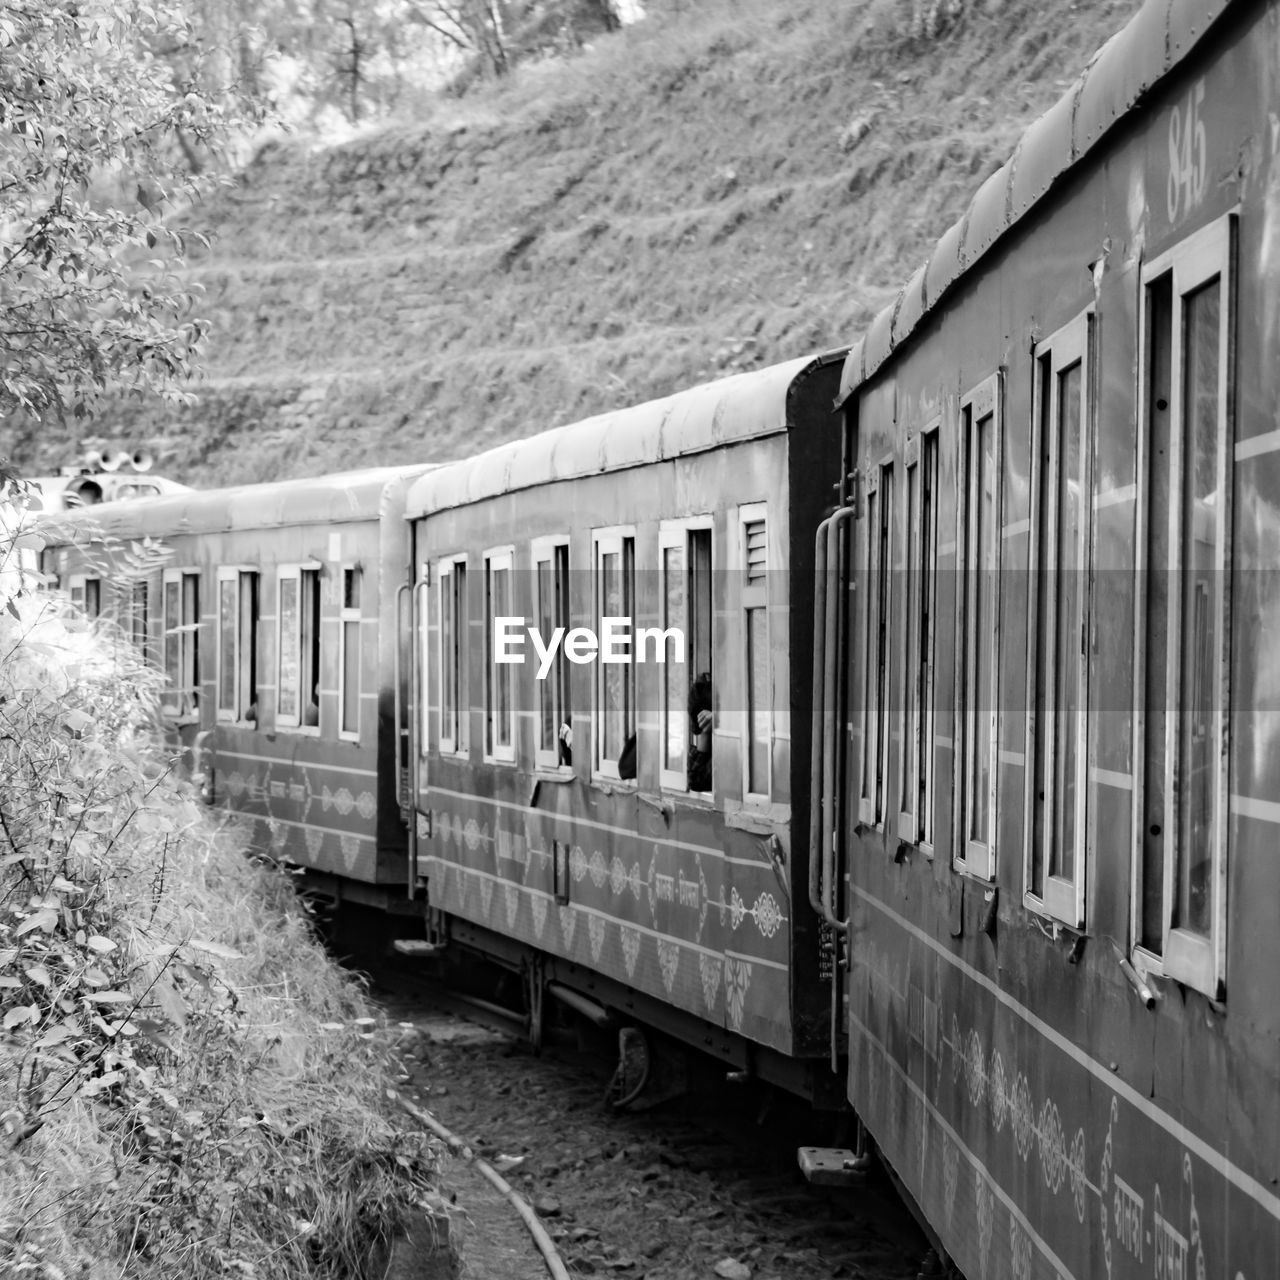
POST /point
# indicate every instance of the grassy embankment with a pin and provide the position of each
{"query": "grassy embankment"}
(188, 1086)
(726, 184)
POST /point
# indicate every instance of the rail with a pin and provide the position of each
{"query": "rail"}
(546, 1246)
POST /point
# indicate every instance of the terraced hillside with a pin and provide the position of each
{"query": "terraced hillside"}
(725, 184)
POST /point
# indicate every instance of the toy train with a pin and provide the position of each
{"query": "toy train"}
(987, 817)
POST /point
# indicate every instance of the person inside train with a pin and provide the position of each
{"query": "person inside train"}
(698, 765)
(627, 760)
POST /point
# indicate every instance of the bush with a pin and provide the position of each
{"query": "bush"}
(190, 1088)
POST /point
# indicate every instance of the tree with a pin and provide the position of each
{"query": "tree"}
(110, 121)
(476, 27)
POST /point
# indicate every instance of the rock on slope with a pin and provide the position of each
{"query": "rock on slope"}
(712, 189)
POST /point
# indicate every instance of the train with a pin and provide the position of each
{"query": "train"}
(897, 724)
(102, 475)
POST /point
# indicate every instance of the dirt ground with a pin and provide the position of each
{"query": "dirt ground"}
(707, 1182)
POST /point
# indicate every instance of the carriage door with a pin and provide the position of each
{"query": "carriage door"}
(410, 702)
(833, 798)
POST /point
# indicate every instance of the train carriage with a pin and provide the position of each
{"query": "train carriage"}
(1056, 827)
(671, 893)
(271, 608)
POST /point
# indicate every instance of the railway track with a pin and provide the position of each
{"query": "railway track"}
(704, 1186)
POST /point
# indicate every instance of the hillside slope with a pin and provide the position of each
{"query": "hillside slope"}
(705, 191)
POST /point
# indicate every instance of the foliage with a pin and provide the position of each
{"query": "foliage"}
(187, 1087)
(99, 98)
(318, 57)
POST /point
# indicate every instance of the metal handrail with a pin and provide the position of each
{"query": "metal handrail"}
(819, 698)
(822, 765)
(829, 725)
(403, 793)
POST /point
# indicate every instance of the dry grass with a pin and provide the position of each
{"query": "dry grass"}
(188, 1087)
(602, 228)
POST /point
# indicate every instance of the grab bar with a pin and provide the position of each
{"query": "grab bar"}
(822, 774)
(819, 697)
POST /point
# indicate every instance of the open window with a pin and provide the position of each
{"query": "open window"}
(757, 662)
(1182, 670)
(86, 594)
(298, 671)
(919, 583)
(499, 677)
(876, 716)
(238, 645)
(684, 551)
(181, 699)
(981, 429)
(551, 608)
(614, 710)
(1057, 658)
(349, 688)
(140, 617)
(454, 708)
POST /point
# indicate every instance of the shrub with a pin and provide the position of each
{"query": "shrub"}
(189, 1087)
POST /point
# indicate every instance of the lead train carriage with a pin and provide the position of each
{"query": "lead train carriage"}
(271, 608)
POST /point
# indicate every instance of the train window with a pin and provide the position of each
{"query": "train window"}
(555, 718)
(86, 594)
(298, 677)
(182, 642)
(499, 677)
(1062, 437)
(614, 712)
(1182, 670)
(684, 550)
(139, 617)
(757, 657)
(919, 580)
(454, 718)
(349, 663)
(237, 644)
(875, 713)
(979, 617)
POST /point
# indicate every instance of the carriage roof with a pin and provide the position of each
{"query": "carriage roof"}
(1159, 37)
(337, 499)
(745, 406)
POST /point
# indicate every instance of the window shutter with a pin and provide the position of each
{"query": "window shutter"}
(756, 550)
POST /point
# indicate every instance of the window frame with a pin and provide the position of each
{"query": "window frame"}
(1063, 898)
(350, 615)
(606, 541)
(78, 590)
(919, 695)
(873, 805)
(447, 594)
(755, 596)
(294, 723)
(671, 534)
(140, 616)
(1197, 960)
(186, 635)
(557, 686)
(495, 752)
(974, 857)
(235, 715)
